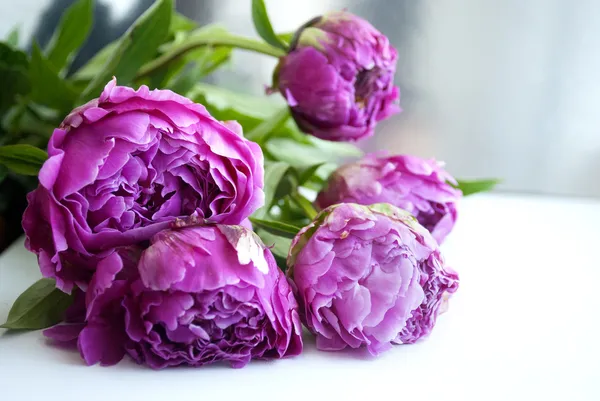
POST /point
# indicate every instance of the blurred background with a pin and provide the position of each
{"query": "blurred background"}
(495, 88)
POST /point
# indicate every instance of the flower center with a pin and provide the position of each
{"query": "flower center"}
(366, 84)
(430, 220)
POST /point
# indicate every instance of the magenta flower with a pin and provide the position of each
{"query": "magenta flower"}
(368, 276)
(421, 187)
(123, 167)
(204, 294)
(338, 77)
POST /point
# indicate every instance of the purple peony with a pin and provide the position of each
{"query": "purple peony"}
(368, 275)
(199, 295)
(338, 77)
(421, 187)
(123, 166)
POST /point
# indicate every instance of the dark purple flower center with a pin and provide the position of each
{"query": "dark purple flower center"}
(367, 83)
(430, 220)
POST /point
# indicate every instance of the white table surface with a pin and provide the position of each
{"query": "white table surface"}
(524, 325)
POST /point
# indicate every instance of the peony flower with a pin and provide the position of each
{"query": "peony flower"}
(338, 77)
(421, 187)
(204, 294)
(368, 276)
(123, 167)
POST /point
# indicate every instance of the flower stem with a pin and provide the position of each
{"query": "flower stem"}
(228, 40)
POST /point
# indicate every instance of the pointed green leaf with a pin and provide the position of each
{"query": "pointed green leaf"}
(301, 155)
(475, 186)
(228, 103)
(248, 110)
(209, 59)
(136, 47)
(13, 37)
(340, 149)
(305, 174)
(263, 25)
(287, 185)
(263, 131)
(47, 87)
(13, 57)
(93, 67)
(181, 23)
(42, 305)
(14, 76)
(182, 73)
(22, 159)
(274, 172)
(280, 246)
(276, 227)
(73, 29)
(307, 208)
(319, 179)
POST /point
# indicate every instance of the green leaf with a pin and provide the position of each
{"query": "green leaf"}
(209, 59)
(47, 87)
(33, 122)
(181, 23)
(280, 246)
(229, 103)
(42, 305)
(12, 56)
(275, 227)
(319, 179)
(22, 159)
(248, 110)
(301, 155)
(93, 67)
(274, 173)
(305, 174)
(307, 208)
(263, 27)
(137, 46)
(73, 29)
(475, 186)
(289, 212)
(287, 185)
(340, 149)
(263, 131)
(3, 173)
(12, 38)
(14, 76)
(29, 123)
(182, 73)
(286, 37)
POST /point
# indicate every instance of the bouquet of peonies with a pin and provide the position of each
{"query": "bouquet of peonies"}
(188, 225)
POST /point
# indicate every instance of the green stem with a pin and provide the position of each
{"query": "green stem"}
(229, 40)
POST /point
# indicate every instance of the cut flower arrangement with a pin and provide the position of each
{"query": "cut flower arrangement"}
(178, 223)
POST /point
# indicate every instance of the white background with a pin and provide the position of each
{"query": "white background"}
(524, 325)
